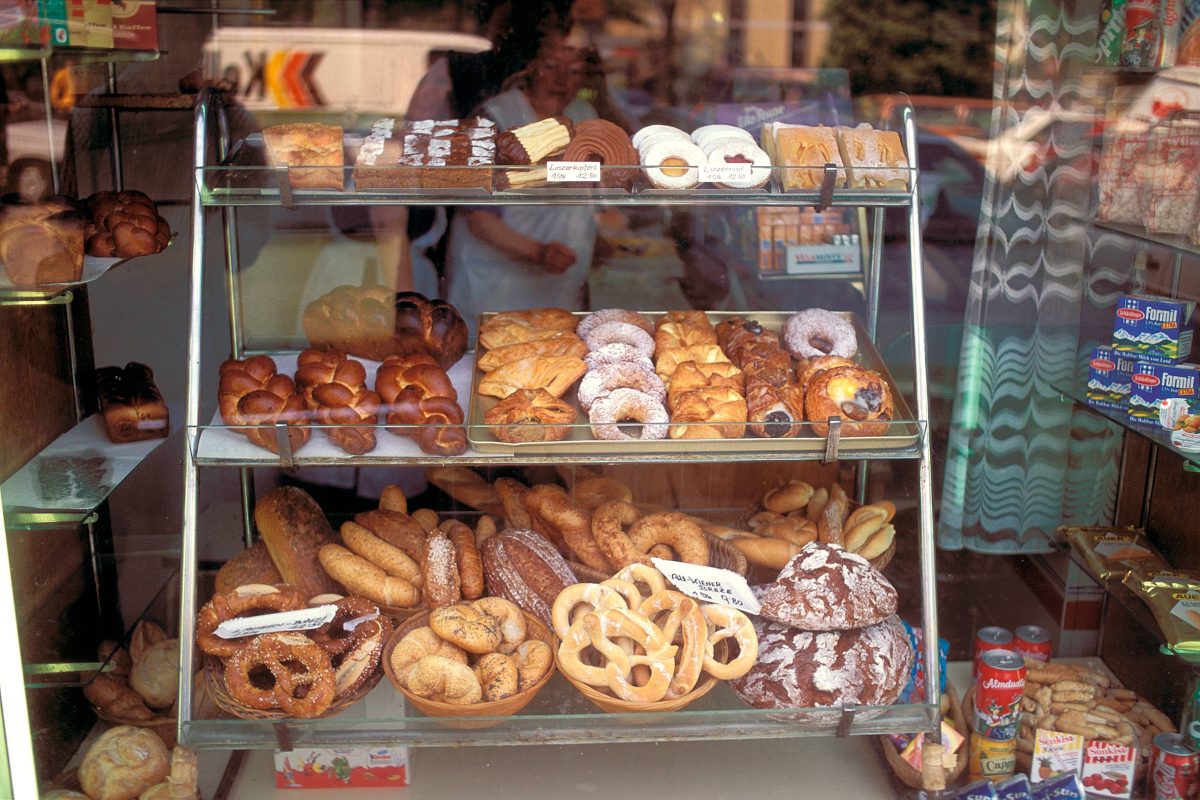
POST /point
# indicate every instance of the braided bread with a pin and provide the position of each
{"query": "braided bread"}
(252, 393)
(124, 225)
(417, 392)
(340, 397)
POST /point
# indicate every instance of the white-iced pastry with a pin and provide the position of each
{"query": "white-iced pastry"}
(673, 164)
(733, 150)
(651, 130)
(659, 138)
(711, 133)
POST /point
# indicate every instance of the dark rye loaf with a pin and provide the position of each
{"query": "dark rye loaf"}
(827, 588)
(806, 669)
(523, 566)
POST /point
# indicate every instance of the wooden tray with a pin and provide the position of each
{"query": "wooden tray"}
(903, 435)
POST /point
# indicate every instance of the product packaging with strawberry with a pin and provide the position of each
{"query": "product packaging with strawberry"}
(1108, 769)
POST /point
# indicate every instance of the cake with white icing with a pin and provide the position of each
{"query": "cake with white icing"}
(427, 154)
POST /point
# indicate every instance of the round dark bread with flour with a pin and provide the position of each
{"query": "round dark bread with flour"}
(806, 669)
(827, 588)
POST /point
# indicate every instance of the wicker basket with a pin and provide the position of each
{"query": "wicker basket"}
(214, 680)
(912, 777)
(165, 727)
(615, 705)
(535, 629)
(721, 554)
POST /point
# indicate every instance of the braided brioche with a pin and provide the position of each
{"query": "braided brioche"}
(252, 393)
(417, 392)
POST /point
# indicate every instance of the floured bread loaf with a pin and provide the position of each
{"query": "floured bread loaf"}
(827, 588)
(803, 669)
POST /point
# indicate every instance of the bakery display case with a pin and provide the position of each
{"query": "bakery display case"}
(233, 175)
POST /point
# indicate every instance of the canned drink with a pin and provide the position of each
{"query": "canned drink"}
(1033, 642)
(990, 759)
(1173, 768)
(998, 694)
(1143, 33)
(992, 637)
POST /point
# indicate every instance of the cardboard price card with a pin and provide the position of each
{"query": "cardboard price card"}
(572, 172)
(709, 584)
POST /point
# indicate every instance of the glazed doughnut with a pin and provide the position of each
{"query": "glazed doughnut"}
(817, 332)
(734, 150)
(685, 618)
(675, 334)
(354, 668)
(592, 595)
(497, 674)
(512, 495)
(534, 659)
(592, 492)
(419, 643)
(628, 404)
(570, 522)
(334, 637)
(672, 163)
(439, 569)
(444, 680)
(620, 332)
(603, 141)
(247, 600)
(470, 567)
(671, 528)
(657, 653)
(508, 616)
(303, 685)
(592, 320)
(615, 354)
(466, 627)
(650, 130)
(640, 573)
(626, 374)
(726, 622)
(608, 526)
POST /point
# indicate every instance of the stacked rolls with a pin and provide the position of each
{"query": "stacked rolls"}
(706, 391)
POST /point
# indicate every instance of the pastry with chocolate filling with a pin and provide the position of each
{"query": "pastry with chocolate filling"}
(859, 396)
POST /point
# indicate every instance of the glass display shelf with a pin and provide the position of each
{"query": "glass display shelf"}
(1179, 244)
(80, 54)
(558, 715)
(65, 483)
(58, 293)
(1154, 433)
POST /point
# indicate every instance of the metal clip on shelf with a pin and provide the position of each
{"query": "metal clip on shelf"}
(828, 179)
(846, 723)
(832, 439)
(286, 198)
(284, 736)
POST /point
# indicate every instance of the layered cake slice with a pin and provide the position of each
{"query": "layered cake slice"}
(425, 153)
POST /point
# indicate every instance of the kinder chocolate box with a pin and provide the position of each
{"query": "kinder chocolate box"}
(1152, 383)
(1109, 380)
(1153, 328)
(342, 768)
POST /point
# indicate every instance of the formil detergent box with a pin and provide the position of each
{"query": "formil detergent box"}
(1109, 378)
(1155, 382)
(1153, 328)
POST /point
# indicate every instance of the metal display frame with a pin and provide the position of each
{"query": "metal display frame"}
(212, 140)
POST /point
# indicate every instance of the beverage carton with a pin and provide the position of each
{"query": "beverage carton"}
(1153, 383)
(1109, 379)
(1153, 328)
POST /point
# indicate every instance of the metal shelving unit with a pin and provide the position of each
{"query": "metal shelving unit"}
(559, 714)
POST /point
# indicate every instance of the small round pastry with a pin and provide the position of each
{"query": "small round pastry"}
(817, 332)
(419, 643)
(861, 397)
(735, 151)
(466, 627)
(673, 164)
(497, 675)
(530, 415)
(628, 404)
(650, 130)
(809, 368)
(444, 680)
(709, 133)
(627, 374)
(614, 354)
(588, 323)
(155, 676)
(655, 139)
(123, 762)
(603, 141)
(510, 618)
(623, 333)
(534, 659)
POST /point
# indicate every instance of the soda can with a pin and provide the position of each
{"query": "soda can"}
(1142, 42)
(992, 637)
(998, 694)
(1033, 642)
(1173, 768)
(988, 759)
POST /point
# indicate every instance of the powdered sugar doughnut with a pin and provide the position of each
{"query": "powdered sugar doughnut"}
(673, 164)
(615, 353)
(627, 404)
(652, 130)
(612, 315)
(622, 375)
(817, 332)
(623, 332)
(735, 150)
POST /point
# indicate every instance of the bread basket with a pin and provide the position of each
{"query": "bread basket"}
(615, 705)
(910, 776)
(721, 554)
(214, 681)
(535, 629)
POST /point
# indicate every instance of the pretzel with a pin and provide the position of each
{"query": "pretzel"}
(334, 637)
(640, 573)
(726, 622)
(242, 601)
(674, 529)
(593, 594)
(687, 619)
(658, 653)
(303, 685)
(508, 616)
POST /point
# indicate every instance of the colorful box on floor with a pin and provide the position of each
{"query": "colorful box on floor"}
(1153, 328)
(135, 25)
(342, 768)
(1109, 378)
(1153, 383)
(53, 17)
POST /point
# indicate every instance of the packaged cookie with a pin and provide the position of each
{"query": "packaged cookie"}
(1174, 597)
(1112, 552)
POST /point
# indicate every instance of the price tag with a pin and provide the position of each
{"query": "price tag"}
(572, 172)
(725, 173)
(709, 584)
(302, 620)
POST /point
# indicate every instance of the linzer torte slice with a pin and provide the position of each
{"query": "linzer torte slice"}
(426, 153)
(874, 159)
(535, 142)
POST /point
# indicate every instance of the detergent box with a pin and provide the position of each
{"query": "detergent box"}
(1153, 383)
(1109, 378)
(342, 768)
(1153, 328)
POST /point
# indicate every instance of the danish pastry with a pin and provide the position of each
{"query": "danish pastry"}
(530, 415)
(859, 396)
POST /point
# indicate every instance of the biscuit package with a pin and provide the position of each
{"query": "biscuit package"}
(1174, 597)
(1112, 552)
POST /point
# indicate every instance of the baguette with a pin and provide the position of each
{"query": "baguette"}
(773, 553)
(363, 578)
(294, 529)
(397, 529)
(392, 499)
(391, 559)
(467, 486)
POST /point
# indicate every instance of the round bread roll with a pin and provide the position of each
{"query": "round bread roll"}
(122, 763)
(804, 669)
(827, 588)
(155, 676)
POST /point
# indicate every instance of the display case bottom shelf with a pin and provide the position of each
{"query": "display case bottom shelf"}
(559, 715)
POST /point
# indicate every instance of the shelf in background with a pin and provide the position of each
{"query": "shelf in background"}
(1177, 243)
(82, 469)
(56, 293)
(558, 715)
(81, 54)
(1160, 436)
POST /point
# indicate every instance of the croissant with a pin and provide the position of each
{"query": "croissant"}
(417, 393)
(859, 396)
(555, 374)
(774, 411)
(567, 345)
(252, 393)
(668, 360)
(723, 409)
(530, 415)
(557, 318)
(690, 376)
(678, 334)
(344, 401)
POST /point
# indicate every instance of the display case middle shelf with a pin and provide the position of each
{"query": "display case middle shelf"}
(1154, 433)
(1179, 244)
